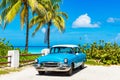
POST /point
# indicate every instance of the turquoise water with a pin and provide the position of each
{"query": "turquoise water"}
(32, 49)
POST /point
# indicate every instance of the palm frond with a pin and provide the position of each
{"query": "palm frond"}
(55, 1)
(46, 3)
(63, 14)
(56, 23)
(32, 4)
(7, 8)
(40, 13)
(3, 4)
(34, 21)
(37, 28)
(49, 4)
(0, 18)
(35, 5)
(5, 11)
(23, 16)
(11, 1)
(49, 16)
(6, 3)
(41, 9)
(56, 7)
(59, 22)
(13, 11)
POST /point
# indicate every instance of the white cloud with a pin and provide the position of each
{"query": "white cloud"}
(110, 20)
(84, 21)
(43, 30)
(113, 20)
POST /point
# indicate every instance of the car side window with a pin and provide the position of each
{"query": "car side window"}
(51, 50)
(75, 50)
(54, 50)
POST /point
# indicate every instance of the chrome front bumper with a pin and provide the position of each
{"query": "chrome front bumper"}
(54, 69)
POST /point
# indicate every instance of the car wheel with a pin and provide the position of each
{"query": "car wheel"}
(69, 73)
(41, 72)
(82, 66)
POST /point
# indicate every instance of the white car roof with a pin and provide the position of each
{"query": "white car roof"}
(68, 45)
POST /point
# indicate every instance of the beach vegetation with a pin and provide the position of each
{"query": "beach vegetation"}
(5, 46)
(102, 52)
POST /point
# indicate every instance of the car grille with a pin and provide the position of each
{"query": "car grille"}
(50, 64)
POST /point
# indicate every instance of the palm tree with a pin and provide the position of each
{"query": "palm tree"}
(54, 16)
(12, 7)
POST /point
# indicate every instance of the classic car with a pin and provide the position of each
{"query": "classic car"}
(62, 58)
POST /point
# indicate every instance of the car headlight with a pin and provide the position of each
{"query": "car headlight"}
(65, 60)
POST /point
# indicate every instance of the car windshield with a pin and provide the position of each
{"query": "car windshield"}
(62, 50)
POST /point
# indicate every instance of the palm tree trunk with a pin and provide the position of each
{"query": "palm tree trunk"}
(27, 27)
(48, 33)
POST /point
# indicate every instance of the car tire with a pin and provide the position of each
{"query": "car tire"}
(82, 66)
(41, 72)
(69, 73)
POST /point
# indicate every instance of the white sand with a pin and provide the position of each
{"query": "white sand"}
(88, 73)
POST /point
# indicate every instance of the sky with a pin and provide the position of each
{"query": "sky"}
(89, 21)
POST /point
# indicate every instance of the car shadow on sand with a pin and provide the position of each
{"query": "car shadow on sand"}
(62, 74)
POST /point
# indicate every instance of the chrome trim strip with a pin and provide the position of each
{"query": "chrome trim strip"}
(57, 69)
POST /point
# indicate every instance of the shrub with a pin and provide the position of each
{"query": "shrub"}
(106, 53)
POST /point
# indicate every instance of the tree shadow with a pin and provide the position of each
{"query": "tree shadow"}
(62, 74)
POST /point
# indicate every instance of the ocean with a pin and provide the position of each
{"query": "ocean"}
(32, 49)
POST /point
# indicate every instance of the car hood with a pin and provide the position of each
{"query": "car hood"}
(59, 57)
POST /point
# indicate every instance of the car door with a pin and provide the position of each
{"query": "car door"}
(79, 56)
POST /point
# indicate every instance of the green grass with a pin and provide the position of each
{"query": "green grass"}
(3, 72)
(8, 70)
(93, 62)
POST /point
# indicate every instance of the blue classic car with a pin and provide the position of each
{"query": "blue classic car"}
(62, 58)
